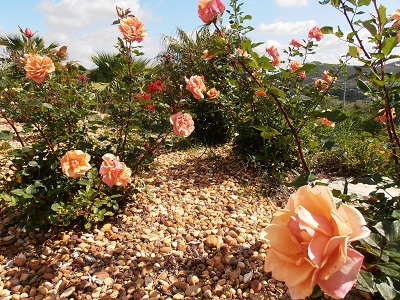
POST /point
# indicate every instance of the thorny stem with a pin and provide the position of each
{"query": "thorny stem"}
(42, 133)
(11, 123)
(278, 103)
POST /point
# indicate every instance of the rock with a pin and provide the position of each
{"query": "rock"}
(193, 290)
(20, 260)
(193, 279)
(256, 285)
(230, 260)
(213, 241)
(68, 292)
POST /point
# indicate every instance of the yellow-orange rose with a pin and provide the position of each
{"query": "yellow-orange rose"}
(213, 93)
(132, 29)
(309, 244)
(37, 67)
(114, 172)
(195, 84)
(75, 163)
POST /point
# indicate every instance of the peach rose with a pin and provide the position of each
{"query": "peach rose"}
(396, 16)
(243, 53)
(213, 93)
(182, 123)
(195, 84)
(209, 10)
(273, 51)
(114, 172)
(75, 163)
(295, 43)
(260, 93)
(309, 244)
(321, 84)
(326, 122)
(294, 65)
(206, 55)
(315, 33)
(382, 116)
(132, 29)
(37, 67)
(326, 75)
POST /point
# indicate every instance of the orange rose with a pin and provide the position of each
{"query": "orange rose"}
(132, 29)
(328, 77)
(326, 122)
(209, 10)
(37, 67)
(295, 43)
(273, 51)
(260, 93)
(183, 124)
(75, 163)
(315, 33)
(309, 244)
(383, 117)
(114, 172)
(321, 84)
(195, 84)
(213, 93)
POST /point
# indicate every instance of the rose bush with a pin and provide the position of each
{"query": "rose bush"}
(310, 244)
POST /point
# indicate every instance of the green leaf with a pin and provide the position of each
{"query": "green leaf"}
(388, 292)
(353, 51)
(382, 14)
(56, 207)
(370, 27)
(47, 106)
(366, 282)
(6, 135)
(389, 44)
(327, 30)
(363, 86)
(303, 179)
(33, 163)
(363, 2)
(390, 230)
(267, 132)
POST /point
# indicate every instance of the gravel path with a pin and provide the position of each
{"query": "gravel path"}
(192, 232)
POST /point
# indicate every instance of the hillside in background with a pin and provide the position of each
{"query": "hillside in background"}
(348, 79)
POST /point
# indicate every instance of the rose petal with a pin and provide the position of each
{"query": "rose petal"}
(316, 222)
(341, 282)
(314, 249)
(335, 256)
(280, 238)
(274, 264)
(355, 220)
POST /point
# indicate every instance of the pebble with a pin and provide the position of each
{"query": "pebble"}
(193, 290)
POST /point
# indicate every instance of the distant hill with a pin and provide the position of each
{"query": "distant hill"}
(353, 93)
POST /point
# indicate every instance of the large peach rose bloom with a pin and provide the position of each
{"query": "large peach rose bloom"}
(132, 29)
(37, 67)
(209, 10)
(195, 84)
(75, 163)
(309, 244)
(183, 124)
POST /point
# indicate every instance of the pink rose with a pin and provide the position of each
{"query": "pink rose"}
(315, 33)
(75, 163)
(294, 65)
(37, 67)
(183, 124)
(396, 16)
(28, 33)
(321, 84)
(132, 29)
(309, 244)
(328, 77)
(114, 172)
(209, 10)
(295, 43)
(195, 84)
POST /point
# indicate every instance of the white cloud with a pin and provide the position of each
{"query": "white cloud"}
(85, 26)
(291, 3)
(285, 28)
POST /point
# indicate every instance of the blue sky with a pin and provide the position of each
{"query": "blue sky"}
(84, 25)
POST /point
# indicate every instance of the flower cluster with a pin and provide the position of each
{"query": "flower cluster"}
(309, 244)
(75, 163)
(294, 65)
(323, 83)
